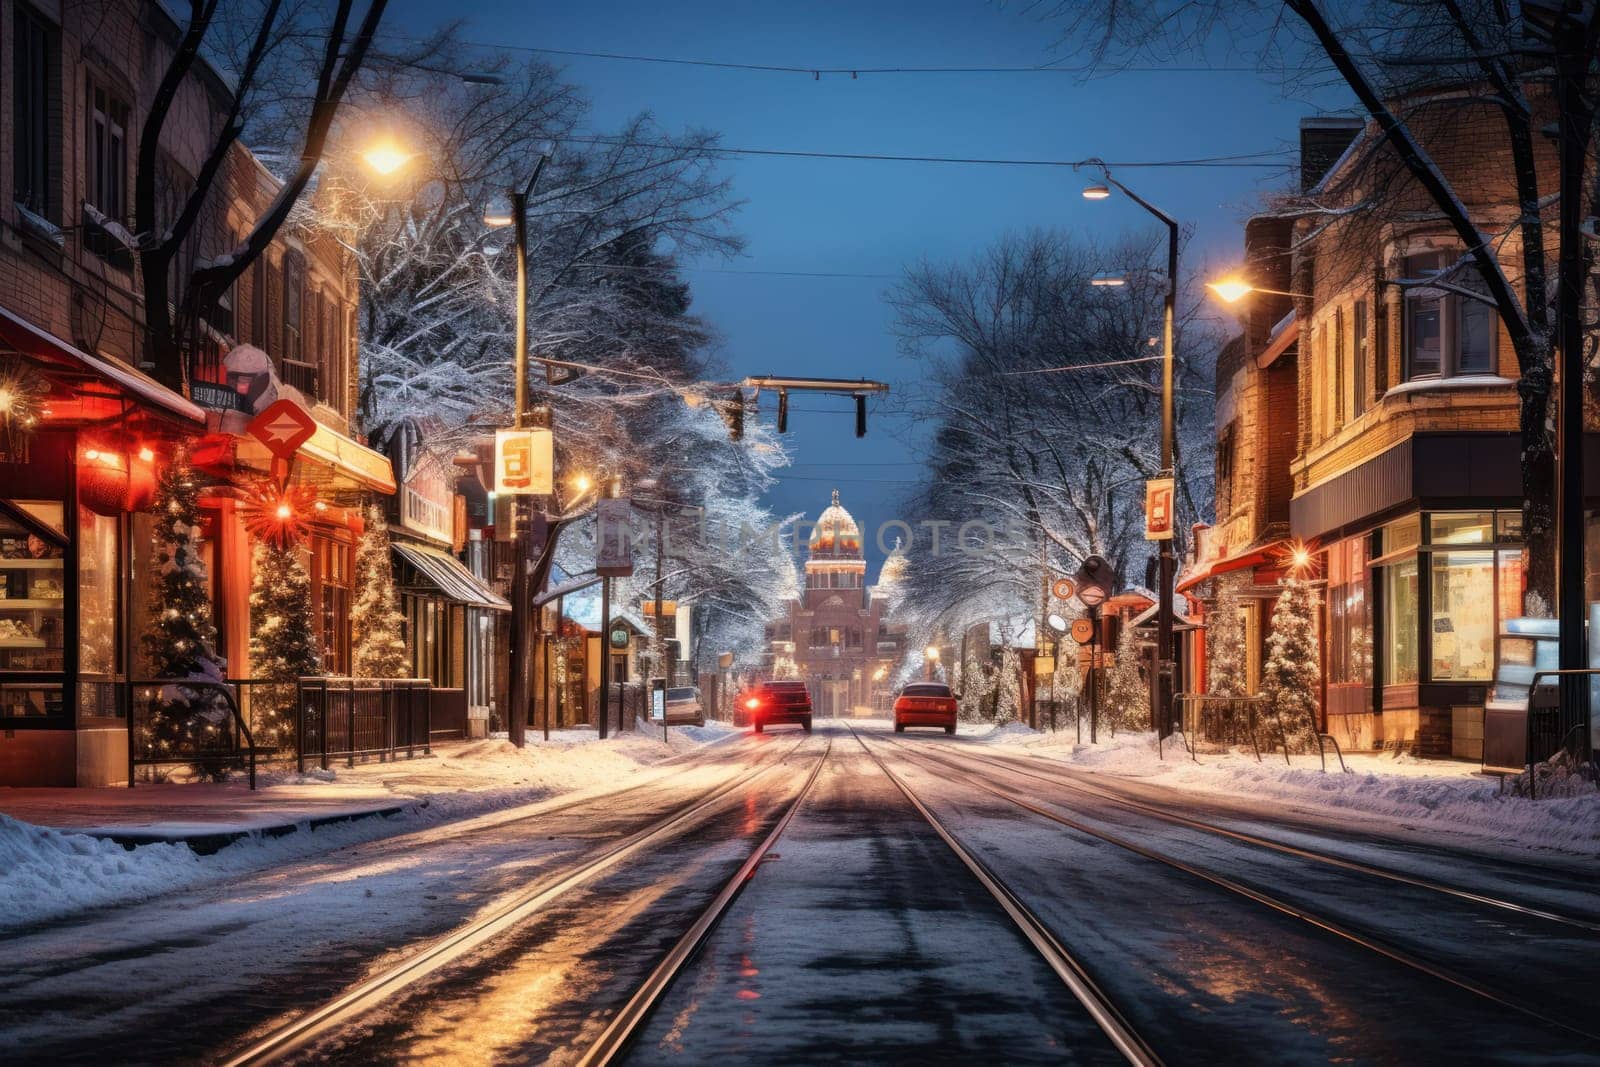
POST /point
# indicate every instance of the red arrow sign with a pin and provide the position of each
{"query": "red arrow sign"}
(283, 428)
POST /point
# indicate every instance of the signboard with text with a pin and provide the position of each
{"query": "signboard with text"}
(614, 519)
(1158, 509)
(524, 462)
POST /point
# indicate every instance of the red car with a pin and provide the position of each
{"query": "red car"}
(925, 704)
(774, 702)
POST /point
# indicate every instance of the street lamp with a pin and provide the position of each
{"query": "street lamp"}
(1161, 694)
(386, 157)
(930, 660)
(1105, 279)
(517, 698)
(1231, 290)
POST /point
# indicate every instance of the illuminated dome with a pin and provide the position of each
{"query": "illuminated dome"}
(836, 535)
(894, 568)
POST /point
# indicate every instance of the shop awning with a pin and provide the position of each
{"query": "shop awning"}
(450, 577)
(1250, 557)
(347, 465)
(46, 347)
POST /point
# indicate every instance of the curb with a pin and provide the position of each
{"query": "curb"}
(203, 843)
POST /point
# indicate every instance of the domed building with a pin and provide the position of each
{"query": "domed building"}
(836, 635)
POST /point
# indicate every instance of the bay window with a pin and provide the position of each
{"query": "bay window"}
(1447, 333)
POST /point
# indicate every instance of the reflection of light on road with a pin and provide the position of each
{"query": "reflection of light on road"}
(752, 813)
(748, 994)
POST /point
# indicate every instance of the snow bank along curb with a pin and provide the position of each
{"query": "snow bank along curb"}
(1382, 792)
(47, 874)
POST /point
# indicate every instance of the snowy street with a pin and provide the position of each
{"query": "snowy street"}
(662, 921)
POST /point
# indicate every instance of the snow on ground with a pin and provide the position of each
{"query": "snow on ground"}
(1441, 794)
(48, 873)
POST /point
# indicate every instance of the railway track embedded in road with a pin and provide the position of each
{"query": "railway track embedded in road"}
(948, 768)
(628, 1021)
(1298, 851)
(303, 1031)
(1116, 1026)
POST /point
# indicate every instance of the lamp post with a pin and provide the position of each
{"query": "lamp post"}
(930, 660)
(517, 698)
(1162, 692)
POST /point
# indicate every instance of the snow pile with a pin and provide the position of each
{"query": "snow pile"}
(1011, 732)
(47, 873)
(1404, 793)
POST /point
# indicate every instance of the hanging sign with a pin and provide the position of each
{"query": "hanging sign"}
(1044, 665)
(1083, 631)
(1063, 589)
(614, 558)
(524, 462)
(283, 427)
(1158, 509)
(621, 637)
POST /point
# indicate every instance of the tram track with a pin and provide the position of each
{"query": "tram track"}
(949, 769)
(630, 1019)
(1113, 1023)
(1298, 851)
(303, 1031)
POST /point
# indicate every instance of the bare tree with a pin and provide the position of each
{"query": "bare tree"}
(1047, 396)
(162, 234)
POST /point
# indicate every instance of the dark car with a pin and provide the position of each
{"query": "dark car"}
(775, 702)
(925, 704)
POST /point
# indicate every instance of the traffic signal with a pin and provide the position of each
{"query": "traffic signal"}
(861, 415)
(783, 411)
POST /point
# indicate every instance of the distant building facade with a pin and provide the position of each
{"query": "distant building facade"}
(836, 635)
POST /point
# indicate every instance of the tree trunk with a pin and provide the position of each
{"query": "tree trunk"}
(1538, 485)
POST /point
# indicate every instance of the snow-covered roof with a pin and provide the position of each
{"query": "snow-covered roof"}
(583, 607)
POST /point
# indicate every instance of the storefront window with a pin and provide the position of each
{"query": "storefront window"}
(1400, 622)
(32, 617)
(1461, 528)
(1463, 611)
(1349, 620)
(98, 652)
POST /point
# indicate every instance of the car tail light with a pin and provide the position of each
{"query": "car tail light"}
(752, 703)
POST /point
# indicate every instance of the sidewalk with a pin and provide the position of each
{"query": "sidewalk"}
(462, 777)
(205, 816)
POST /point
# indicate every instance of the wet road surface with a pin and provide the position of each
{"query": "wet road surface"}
(860, 937)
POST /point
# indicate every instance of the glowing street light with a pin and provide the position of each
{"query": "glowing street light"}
(385, 157)
(1233, 289)
(1105, 279)
(1097, 191)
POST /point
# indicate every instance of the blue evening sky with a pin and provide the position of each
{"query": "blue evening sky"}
(875, 217)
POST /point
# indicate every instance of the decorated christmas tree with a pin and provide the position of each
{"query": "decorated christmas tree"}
(283, 644)
(1008, 687)
(1291, 675)
(1127, 695)
(377, 627)
(1225, 653)
(180, 642)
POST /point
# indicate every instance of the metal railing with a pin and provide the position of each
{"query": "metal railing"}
(1550, 729)
(1323, 752)
(1228, 720)
(343, 718)
(189, 721)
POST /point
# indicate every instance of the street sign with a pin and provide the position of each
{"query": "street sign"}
(524, 462)
(216, 397)
(658, 699)
(1063, 589)
(669, 608)
(614, 519)
(1083, 631)
(1158, 509)
(283, 428)
(1095, 579)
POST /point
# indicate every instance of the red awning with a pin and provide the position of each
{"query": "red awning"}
(49, 349)
(1250, 557)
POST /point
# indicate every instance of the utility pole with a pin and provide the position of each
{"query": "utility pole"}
(605, 656)
(517, 697)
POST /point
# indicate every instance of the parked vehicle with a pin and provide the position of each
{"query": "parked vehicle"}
(925, 704)
(684, 707)
(776, 702)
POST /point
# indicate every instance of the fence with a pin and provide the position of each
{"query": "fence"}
(343, 718)
(189, 722)
(1558, 720)
(1233, 720)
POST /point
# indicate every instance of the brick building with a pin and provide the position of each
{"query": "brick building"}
(1403, 475)
(76, 85)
